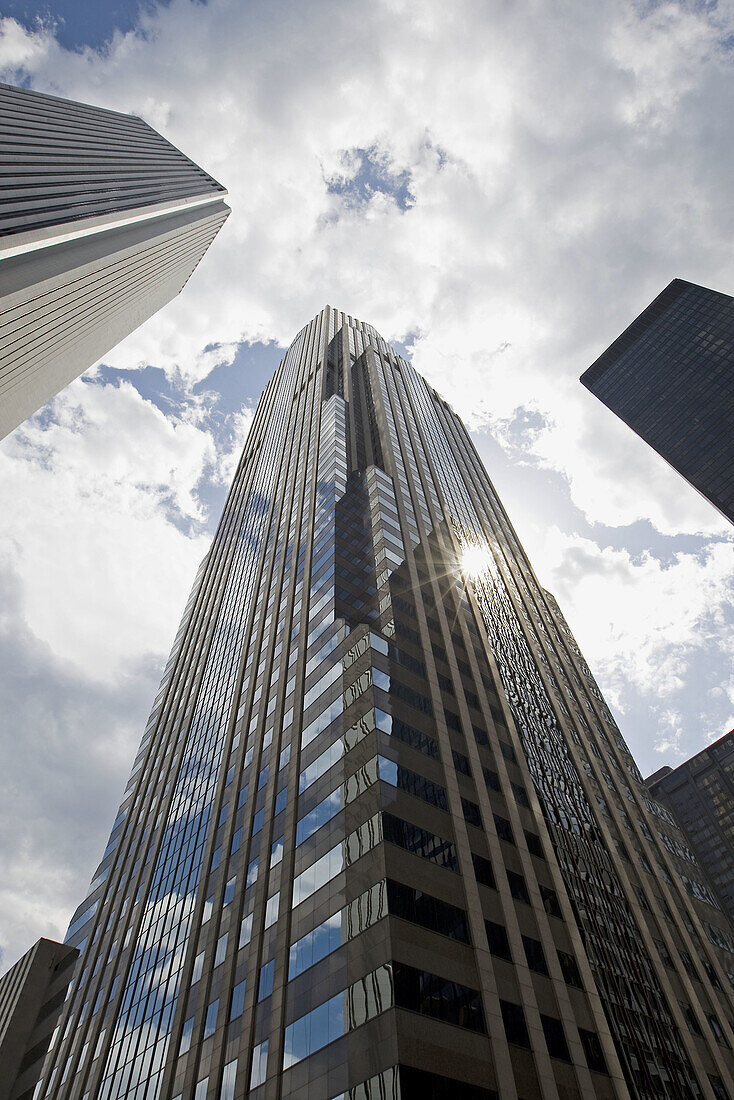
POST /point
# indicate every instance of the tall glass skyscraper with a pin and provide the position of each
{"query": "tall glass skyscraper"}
(382, 837)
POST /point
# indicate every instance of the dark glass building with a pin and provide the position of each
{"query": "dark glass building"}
(102, 221)
(701, 795)
(670, 377)
(382, 837)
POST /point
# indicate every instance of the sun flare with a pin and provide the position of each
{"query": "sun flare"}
(475, 560)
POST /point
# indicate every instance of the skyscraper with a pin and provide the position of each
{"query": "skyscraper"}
(382, 837)
(670, 377)
(102, 221)
(700, 792)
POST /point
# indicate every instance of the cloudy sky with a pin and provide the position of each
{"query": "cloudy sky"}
(499, 186)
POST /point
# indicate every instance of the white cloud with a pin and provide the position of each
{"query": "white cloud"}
(639, 621)
(90, 504)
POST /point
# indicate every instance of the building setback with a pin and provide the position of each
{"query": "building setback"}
(31, 995)
(670, 377)
(382, 837)
(102, 221)
(701, 795)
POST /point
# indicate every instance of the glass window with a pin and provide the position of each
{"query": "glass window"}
(321, 765)
(431, 995)
(516, 1029)
(417, 785)
(504, 829)
(245, 930)
(314, 1030)
(555, 1038)
(570, 970)
(259, 1064)
(483, 871)
(518, 887)
(592, 1049)
(319, 815)
(471, 813)
(535, 955)
(429, 912)
(499, 944)
(221, 951)
(551, 903)
(265, 986)
(419, 841)
(271, 909)
(185, 1035)
(315, 945)
(228, 1079)
(229, 891)
(319, 873)
(200, 1091)
(210, 1021)
(238, 1000)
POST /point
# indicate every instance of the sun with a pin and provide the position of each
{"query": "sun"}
(475, 560)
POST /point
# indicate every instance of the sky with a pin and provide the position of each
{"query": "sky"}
(500, 188)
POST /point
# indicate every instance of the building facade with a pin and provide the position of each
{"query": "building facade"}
(670, 377)
(382, 837)
(701, 795)
(32, 993)
(102, 221)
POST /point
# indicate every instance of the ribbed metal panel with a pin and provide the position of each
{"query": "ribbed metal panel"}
(62, 161)
(53, 329)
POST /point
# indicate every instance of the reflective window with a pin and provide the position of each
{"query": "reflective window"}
(228, 1079)
(319, 873)
(259, 1064)
(593, 1050)
(238, 1000)
(535, 955)
(429, 912)
(265, 986)
(555, 1038)
(315, 945)
(419, 841)
(319, 815)
(210, 1021)
(483, 871)
(518, 887)
(271, 909)
(430, 995)
(313, 1031)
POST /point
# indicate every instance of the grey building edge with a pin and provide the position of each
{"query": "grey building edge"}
(513, 914)
(102, 222)
(31, 995)
(657, 309)
(700, 792)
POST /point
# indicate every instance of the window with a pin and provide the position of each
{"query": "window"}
(471, 813)
(429, 912)
(535, 955)
(245, 930)
(210, 1020)
(504, 829)
(418, 1084)
(319, 815)
(419, 841)
(412, 783)
(717, 1029)
(185, 1036)
(518, 887)
(265, 986)
(551, 903)
(229, 891)
(228, 1079)
(592, 1049)
(516, 1029)
(483, 871)
(555, 1038)
(570, 970)
(461, 762)
(534, 845)
(313, 1031)
(691, 1018)
(315, 945)
(200, 1091)
(499, 944)
(221, 951)
(238, 1001)
(259, 1064)
(491, 779)
(271, 909)
(430, 995)
(318, 874)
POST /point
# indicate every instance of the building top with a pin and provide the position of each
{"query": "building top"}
(713, 754)
(64, 161)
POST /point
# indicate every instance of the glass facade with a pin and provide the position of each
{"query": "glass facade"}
(382, 837)
(670, 377)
